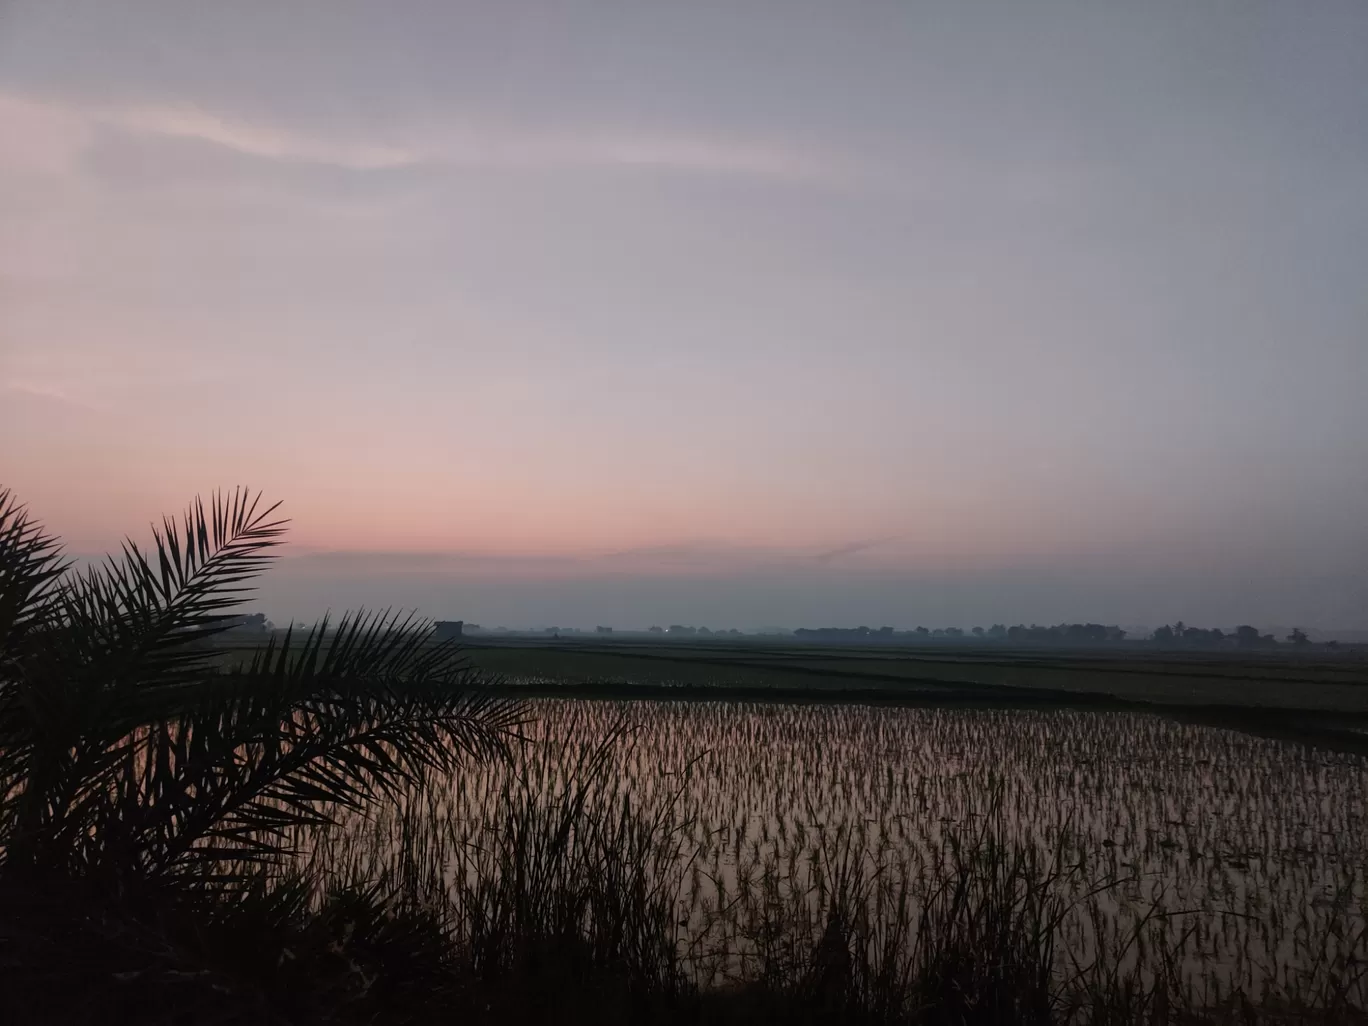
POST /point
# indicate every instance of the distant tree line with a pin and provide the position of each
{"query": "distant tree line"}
(1060, 634)
(1180, 635)
(1067, 633)
(844, 633)
(682, 631)
(1177, 635)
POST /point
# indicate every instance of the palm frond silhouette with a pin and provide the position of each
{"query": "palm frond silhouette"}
(135, 746)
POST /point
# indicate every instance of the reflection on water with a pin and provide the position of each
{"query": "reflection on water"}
(1268, 840)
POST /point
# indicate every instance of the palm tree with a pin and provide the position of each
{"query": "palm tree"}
(137, 749)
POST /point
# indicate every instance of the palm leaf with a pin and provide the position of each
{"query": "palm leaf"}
(149, 610)
(303, 733)
(30, 565)
(93, 641)
(129, 748)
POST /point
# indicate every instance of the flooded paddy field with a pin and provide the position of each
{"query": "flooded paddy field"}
(1231, 861)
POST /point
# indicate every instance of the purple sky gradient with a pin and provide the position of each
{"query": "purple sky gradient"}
(737, 313)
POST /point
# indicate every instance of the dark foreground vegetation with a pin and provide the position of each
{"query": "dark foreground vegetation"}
(190, 834)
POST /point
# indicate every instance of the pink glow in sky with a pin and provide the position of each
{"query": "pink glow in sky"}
(939, 312)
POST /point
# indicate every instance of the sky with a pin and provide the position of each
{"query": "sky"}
(738, 313)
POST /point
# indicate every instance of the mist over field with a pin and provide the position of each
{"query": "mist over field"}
(730, 590)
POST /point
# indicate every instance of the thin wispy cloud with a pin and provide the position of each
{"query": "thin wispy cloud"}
(50, 393)
(99, 387)
(256, 139)
(854, 548)
(53, 133)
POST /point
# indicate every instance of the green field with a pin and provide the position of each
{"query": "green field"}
(1320, 698)
(1276, 681)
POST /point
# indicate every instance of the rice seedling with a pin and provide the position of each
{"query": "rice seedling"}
(884, 863)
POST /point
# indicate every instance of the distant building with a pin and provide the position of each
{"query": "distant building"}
(254, 623)
(603, 630)
(445, 630)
